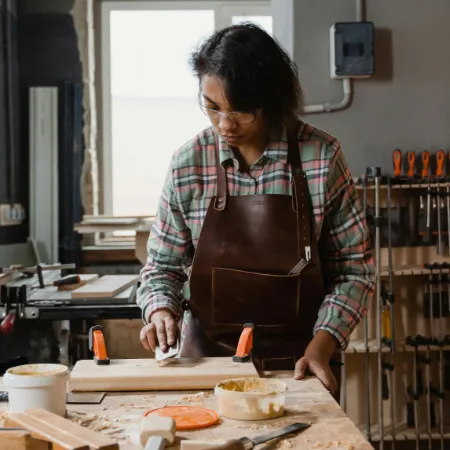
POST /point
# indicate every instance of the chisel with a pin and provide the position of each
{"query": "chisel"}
(425, 176)
(440, 159)
(397, 163)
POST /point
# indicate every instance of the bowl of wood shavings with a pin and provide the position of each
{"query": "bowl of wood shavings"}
(251, 398)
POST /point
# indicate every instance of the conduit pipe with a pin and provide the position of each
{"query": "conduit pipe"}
(346, 82)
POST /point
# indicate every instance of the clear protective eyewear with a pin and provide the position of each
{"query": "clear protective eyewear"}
(240, 117)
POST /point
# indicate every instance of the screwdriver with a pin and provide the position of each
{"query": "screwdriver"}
(397, 161)
(411, 158)
(425, 164)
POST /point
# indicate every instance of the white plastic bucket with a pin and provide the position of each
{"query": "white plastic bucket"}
(37, 386)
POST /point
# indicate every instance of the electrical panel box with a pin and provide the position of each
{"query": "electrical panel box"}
(352, 50)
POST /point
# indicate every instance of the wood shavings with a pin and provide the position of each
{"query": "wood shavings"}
(93, 422)
(199, 397)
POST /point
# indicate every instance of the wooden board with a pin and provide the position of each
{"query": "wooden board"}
(104, 287)
(146, 375)
(62, 433)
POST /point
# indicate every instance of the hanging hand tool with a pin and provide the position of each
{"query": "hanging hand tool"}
(365, 321)
(425, 171)
(431, 282)
(426, 176)
(397, 163)
(389, 333)
(425, 359)
(97, 345)
(414, 392)
(375, 172)
(441, 341)
(440, 159)
(411, 161)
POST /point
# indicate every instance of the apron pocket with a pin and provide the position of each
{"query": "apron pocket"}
(239, 297)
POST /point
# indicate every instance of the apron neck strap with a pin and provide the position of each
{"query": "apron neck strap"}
(301, 202)
(221, 197)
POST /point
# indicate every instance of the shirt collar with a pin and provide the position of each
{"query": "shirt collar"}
(277, 149)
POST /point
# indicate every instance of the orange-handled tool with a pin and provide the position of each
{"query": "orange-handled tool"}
(425, 164)
(411, 158)
(245, 344)
(397, 160)
(97, 345)
(440, 162)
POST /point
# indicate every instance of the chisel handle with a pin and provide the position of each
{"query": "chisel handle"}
(411, 158)
(425, 163)
(440, 162)
(397, 161)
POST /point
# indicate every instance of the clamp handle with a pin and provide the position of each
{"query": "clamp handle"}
(245, 344)
(97, 345)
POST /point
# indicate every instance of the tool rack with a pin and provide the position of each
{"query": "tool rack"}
(398, 359)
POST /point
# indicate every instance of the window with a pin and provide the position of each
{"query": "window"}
(149, 94)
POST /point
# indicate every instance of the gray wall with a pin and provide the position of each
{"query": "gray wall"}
(406, 104)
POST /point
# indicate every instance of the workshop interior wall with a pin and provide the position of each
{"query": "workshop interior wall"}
(406, 104)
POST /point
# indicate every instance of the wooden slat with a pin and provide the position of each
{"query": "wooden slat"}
(105, 287)
(94, 440)
(147, 375)
(19, 439)
(44, 431)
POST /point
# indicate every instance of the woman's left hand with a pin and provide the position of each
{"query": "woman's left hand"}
(318, 366)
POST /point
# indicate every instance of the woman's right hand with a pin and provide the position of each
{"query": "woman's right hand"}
(162, 330)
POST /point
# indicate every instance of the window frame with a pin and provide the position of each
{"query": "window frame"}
(223, 13)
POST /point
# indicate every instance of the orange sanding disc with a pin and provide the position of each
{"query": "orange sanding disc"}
(187, 417)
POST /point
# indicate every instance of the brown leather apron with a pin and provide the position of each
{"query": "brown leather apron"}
(240, 272)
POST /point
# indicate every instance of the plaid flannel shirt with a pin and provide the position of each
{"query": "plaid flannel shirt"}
(347, 264)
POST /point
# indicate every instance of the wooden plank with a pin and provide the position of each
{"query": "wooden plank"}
(44, 431)
(104, 287)
(94, 440)
(19, 439)
(62, 433)
(147, 375)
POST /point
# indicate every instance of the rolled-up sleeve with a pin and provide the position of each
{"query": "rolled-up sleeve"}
(347, 263)
(163, 276)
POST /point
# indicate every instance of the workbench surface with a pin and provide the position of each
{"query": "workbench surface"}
(308, 401)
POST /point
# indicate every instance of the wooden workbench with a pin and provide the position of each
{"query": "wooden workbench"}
(119, 416)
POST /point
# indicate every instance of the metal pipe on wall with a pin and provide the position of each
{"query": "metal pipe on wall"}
(346, 82)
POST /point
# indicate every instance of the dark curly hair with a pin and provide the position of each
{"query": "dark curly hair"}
(255, 70)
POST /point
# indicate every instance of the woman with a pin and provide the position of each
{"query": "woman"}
(259, 220)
